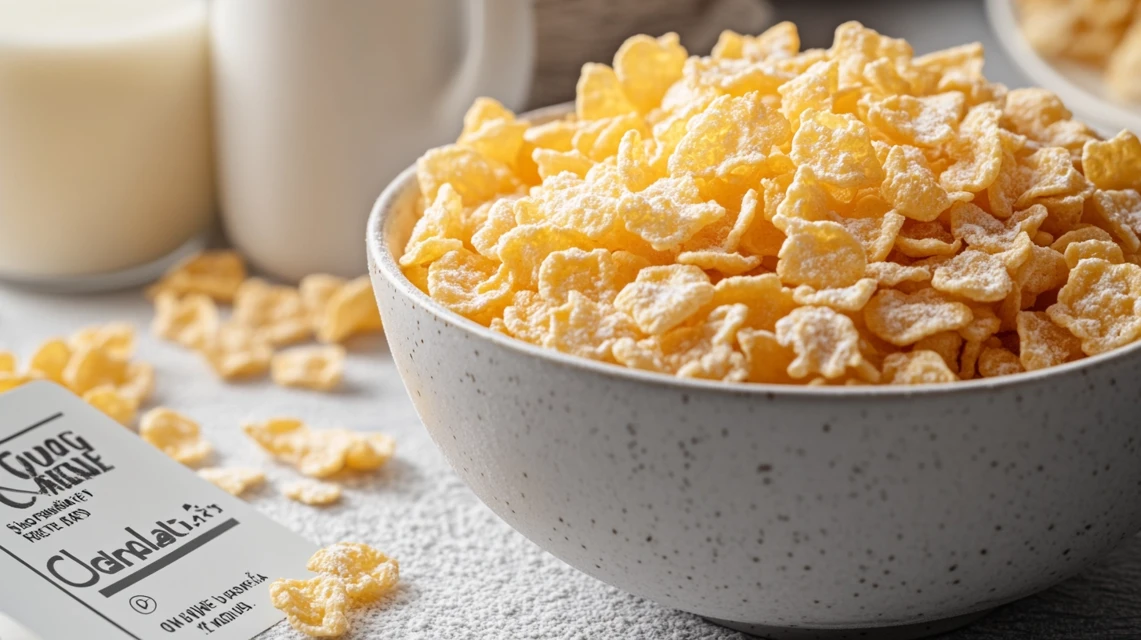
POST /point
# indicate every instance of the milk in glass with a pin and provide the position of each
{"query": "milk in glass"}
(105, 158)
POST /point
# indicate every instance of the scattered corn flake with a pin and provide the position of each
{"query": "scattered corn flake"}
(917, 367)
(176, 435)
(188, 321)
(50, 360)
(320, 453)
(276, 312)
(215, 274)
(349, 311)
(91, 367)
(316, 607)
(369, 451)
(310, 367)
(139, 382)
(119, 407)
(313, 493)
(9, 381)
(367, 573)
(235, 351)
(903, 319)
(116, 338)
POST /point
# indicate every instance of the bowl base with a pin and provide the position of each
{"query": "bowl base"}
(896, 632)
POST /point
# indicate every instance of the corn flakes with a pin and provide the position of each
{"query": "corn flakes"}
(119, 407)
(214, 274)
(235, 351)
(315, 607)
(175, 435)
(315, 367)
(116, 338)
(366, 573)
(917, 367)
(233, 480)
(849, 215)
(312, 493)
(277, 313)
(189, 320)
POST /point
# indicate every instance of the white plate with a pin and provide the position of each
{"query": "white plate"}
(1080, 87)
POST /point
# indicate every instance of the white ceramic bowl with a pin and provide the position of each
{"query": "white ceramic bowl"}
(789, 512)
(1080, 87)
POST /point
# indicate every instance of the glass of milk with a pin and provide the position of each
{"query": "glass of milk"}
(106, 169)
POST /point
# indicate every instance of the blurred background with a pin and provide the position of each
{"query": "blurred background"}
(571, 32)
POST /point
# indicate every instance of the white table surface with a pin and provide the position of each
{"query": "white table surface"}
(465, 573)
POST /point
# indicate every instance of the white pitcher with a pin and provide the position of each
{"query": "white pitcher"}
(319, 103)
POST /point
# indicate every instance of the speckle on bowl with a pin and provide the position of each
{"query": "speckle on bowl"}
(788, 511)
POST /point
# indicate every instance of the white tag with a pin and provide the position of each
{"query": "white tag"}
(104, 536)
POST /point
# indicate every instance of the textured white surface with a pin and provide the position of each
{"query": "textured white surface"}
(465, 574)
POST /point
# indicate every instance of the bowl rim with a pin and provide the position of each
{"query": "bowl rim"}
(385, 263)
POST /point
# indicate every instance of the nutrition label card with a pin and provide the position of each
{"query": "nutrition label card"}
(103, 536)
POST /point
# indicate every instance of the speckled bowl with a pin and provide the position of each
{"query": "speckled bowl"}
(844, 512)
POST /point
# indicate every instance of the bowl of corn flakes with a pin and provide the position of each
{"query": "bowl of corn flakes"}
(1088, 52)
(804, 342)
